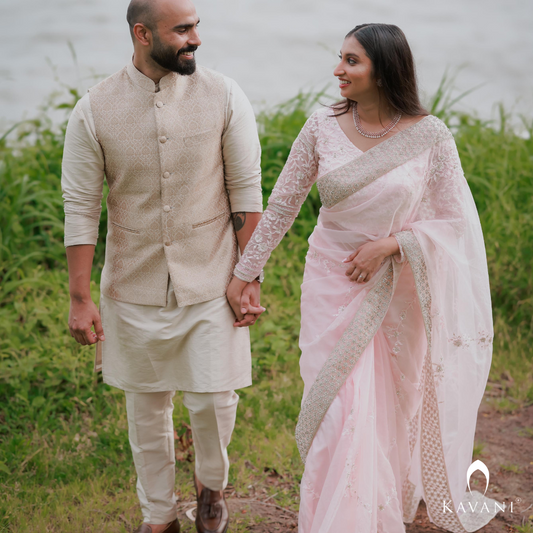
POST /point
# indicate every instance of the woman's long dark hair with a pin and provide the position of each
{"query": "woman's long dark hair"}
(392, 63)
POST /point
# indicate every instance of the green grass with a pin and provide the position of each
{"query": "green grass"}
(509, 467)
(478, 449)
(65, 463)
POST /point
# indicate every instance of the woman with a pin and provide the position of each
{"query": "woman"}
(396, 332)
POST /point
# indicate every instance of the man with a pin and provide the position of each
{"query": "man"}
(179, 148)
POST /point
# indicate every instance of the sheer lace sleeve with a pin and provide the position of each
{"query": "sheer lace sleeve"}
(288, 195)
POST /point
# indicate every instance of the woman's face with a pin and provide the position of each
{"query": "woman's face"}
(355, 71)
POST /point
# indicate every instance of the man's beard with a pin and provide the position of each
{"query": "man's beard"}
(168, 58)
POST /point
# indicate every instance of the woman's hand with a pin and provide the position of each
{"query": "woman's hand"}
(367, 259)
(243, 298)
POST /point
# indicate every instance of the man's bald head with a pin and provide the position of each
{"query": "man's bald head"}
(142, 12)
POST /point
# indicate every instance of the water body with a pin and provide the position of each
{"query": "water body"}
(273, 48)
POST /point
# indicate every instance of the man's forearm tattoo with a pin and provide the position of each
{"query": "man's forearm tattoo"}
(239, 219)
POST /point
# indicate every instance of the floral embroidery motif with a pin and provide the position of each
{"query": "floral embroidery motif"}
(326, 263)
(438, 372)
(351, 471)
(349, 427)
(350, 491)
(461, 341)
(390, 495)
(396, 332)
(484, 340)
(347, 299)
(309, 488)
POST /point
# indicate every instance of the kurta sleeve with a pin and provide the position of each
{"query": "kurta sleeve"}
(82, 177)
(288, 195)
(241, 151)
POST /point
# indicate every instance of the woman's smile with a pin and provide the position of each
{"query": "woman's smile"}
(343, 83)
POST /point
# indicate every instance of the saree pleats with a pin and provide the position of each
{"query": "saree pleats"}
(358, 465)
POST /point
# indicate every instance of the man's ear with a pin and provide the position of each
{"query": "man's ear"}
(142, 34)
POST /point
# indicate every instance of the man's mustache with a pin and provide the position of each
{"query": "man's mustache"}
(188, 49)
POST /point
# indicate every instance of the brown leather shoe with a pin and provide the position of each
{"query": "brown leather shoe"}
(173, 527)
(212, 515)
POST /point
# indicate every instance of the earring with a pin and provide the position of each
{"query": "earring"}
(379, 83)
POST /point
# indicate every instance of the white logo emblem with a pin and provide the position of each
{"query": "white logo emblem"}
(482, 467)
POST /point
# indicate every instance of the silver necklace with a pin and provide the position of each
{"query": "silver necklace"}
(378, 134)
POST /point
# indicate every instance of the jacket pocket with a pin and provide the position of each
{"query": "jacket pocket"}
(199, 138)
(130, 230)
(210, 221)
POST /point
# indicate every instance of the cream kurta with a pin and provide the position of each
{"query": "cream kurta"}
(193, 348)
(150, 348)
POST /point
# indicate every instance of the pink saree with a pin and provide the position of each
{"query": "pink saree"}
(394, 369)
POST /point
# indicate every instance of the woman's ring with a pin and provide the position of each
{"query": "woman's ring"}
(361, 276)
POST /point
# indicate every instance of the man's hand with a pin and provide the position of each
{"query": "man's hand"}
(83, 315)
(243, 298)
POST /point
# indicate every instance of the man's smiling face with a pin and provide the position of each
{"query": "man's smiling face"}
(175, 36)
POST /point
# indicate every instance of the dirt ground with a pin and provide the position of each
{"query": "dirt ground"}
(505, 442)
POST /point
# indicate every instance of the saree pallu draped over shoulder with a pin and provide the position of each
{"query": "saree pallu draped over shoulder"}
(394, 369)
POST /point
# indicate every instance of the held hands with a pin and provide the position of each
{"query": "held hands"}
(82, 316)
(244, 300)
(366, 260)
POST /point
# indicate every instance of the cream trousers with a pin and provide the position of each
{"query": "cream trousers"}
(151, 435)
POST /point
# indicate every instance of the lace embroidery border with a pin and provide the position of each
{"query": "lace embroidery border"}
(409, 501)
(434, 474)
(344, 357)
(346, 180)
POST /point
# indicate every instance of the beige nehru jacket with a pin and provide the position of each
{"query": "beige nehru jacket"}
(178, 161)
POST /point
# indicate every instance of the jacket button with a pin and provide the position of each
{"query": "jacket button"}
(162, 139)
(166, 209)
(166, 175)
(159, 104)
(167, 243)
